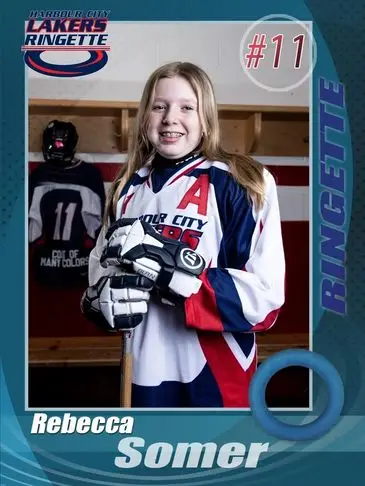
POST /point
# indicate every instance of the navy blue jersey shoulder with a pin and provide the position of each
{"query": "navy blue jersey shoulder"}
(82, 173)
(236, 216)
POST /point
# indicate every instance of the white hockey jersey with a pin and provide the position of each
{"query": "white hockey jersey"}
(205, 355)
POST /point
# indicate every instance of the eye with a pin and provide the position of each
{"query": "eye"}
(188, 107)
(158, 107)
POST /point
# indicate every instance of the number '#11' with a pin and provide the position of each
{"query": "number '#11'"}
(278, 40)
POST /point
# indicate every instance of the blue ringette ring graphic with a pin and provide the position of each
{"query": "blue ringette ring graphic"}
(96, 61)
(308, 359)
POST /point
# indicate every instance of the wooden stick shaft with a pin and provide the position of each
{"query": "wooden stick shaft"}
(126, 372)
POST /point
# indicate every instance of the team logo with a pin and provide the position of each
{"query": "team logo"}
(192, 260)
(65, 31)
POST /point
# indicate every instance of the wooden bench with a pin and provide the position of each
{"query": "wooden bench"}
(106, 351)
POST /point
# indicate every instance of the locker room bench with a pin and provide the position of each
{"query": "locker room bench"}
(105, 351)
(85, 372)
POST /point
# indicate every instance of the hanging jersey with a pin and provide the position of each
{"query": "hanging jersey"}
(65, 215)
(205, 354)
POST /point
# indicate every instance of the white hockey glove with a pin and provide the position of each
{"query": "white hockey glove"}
(117, 303)
(173, 266)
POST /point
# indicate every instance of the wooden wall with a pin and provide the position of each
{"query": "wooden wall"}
(104, 127)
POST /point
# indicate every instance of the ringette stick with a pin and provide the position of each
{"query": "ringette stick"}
(126, 370)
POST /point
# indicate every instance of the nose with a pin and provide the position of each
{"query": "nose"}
(170, 116)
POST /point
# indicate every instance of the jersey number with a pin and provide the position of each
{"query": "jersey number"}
(70, 213)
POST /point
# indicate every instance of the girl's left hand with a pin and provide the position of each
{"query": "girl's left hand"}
(172, 265)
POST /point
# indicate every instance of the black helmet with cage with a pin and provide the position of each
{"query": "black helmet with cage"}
(59, 142)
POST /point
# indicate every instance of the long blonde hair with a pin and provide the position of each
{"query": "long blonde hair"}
(244, 169)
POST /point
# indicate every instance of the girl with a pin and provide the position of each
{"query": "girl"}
(196, 235)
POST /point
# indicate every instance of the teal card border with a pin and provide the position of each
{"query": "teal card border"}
(334, 456)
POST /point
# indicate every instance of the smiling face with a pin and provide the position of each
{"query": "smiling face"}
(174, 127)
